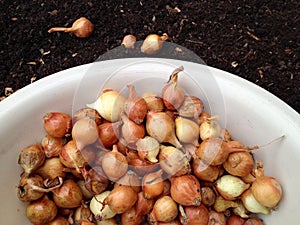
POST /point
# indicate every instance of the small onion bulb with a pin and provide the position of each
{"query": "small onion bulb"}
(209, 128)
(109, 105)
(129, 41)
(81, 28)
(231, 187)
(99, 209)
(251, 204)
(186, 130)
(153, 43)
(84, 132)
(266, 189)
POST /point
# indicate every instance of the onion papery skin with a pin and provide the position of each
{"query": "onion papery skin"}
(69, 195)
(121, 199)
(57, 124)
(185, 190)
(194, 215)
(114, 164)
(267, 191)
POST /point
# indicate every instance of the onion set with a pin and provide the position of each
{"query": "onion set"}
(153, 43)
(143, 158)
(81, 28)
(172, 94)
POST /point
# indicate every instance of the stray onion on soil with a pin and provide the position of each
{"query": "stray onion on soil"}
(81, 28)
(143, 158)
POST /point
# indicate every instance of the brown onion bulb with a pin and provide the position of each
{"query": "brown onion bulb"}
(130, 217)
(216, 218)
(152, 184)
(235, 220)
(193, 215)
(84, 132)
(266, 189)
(59, 220)
(173, 161)
(250, 178)
(66, 213)
(187, 131)
(81, 28)
(161, 126)
(71, 157)
(51, 169)
(31, 158)
(87, 112)
(205, 172)
(52, 146)
(153, 43)
(191, 107)
(143, 206)
(154, 102)
(173, 95)
(41, 211)
(135, 107)
(210, 128)
(109, 133)
(251, 204)
(57, 124)
(86, 222)
(129, 41)
(148, 148)
(185, 190)
(164, 210)
(69, 195)
(114, 164)
(131, 131)
(208, 196)
(121, 199)
(214, 151)
(253, 221)
(110, 221)
(26, 189)
(239, 164)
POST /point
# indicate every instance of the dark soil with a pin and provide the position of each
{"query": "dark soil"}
(257, 40)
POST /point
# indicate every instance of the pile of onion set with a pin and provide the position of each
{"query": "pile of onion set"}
(145, 158)
(152, 44)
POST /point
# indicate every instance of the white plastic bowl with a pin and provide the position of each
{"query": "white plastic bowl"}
(251, 114)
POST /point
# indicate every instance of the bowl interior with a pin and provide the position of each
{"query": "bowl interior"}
(251, 114)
